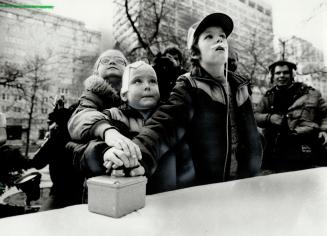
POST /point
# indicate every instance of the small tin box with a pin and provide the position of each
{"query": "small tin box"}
(116, 196)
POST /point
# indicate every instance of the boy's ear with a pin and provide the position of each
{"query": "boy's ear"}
(123, 96)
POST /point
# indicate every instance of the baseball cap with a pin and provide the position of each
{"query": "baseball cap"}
(214, 19)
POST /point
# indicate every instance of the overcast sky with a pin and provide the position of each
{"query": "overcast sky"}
(304, 18)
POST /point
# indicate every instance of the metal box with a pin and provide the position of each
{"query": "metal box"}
(116, 196)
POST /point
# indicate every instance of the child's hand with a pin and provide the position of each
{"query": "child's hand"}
(114, 158)
(137, 171)
(115, 139)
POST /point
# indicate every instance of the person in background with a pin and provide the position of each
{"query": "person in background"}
(232, 60)
(67, 183)
(176, 56)
(168, 67)
(293, 117)
(3, 131)
(208, 117)
(12, 164)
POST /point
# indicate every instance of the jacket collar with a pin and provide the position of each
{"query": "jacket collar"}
(131, 112)
(234, 79)
(105, 93)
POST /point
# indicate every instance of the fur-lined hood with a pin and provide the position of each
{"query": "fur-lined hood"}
(100, 87)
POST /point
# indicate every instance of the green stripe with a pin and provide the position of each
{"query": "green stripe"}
(25, 6)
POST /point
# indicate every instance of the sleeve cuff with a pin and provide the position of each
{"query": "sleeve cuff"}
(99, 128)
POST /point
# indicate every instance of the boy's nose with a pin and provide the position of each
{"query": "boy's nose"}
(219, 39)
(146, 85)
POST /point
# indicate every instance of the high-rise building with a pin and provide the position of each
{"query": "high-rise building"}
(253, 32)
(65, 51)
(252, 36)
(310, 63)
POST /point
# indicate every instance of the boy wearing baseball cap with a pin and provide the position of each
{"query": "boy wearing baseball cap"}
(208, 120)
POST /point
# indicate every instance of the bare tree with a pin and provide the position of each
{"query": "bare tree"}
(151, 24)
(36, 71)
(304, 54)
(256, 55)
(10, 74)
(85, 64)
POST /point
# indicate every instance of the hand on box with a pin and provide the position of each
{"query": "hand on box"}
(115, 139)
(114, 158)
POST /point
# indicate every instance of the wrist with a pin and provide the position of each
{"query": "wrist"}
(106, 132)
(268, 118)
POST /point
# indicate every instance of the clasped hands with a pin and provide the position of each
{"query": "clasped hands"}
(122, 153)
(277, 119)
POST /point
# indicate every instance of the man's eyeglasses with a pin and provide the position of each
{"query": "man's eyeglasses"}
(118, 60)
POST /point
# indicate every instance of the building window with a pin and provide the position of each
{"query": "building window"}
(44, 110)
(42, 133)
(252, 4)
(268, 12)
(260, 8)
(14, 132)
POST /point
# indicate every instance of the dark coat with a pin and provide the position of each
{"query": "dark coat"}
(67, 184)
(294, 145)
(194, 124)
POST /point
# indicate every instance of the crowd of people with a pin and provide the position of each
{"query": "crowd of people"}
(182, 128)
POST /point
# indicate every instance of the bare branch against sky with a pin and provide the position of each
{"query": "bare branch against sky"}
(305, 19)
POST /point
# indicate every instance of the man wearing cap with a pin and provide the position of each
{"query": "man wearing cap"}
(294, 121)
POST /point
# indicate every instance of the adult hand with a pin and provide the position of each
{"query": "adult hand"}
(323, 136)
(115, 139)
(114, 158)
(276, 119)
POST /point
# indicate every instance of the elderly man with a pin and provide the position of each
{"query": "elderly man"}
(294, 121)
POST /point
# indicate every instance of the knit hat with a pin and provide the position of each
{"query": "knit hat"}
(290, 65)
(138, 68)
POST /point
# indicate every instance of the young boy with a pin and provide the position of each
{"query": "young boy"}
(140, 95)
(208, 119)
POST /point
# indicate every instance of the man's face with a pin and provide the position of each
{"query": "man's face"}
(282, 76)
(111, 68)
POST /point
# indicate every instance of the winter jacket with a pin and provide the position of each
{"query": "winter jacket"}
(88, 158)
(294, 145)
(195, 125)
(88, 122)
(307, 112)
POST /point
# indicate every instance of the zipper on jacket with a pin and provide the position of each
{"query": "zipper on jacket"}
(227, 130)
